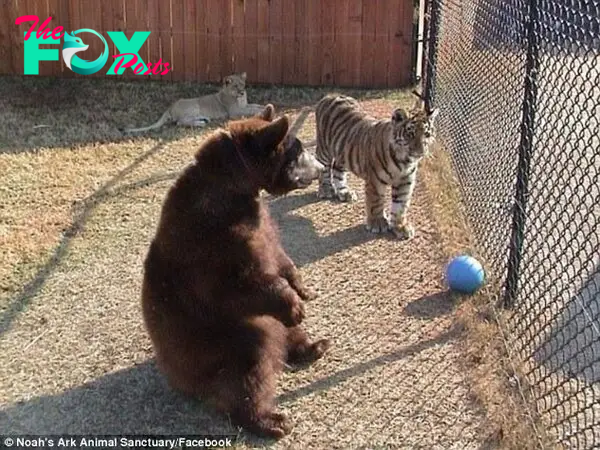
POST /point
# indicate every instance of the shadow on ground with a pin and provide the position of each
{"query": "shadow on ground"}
(82, 212)
(138, 400)
(434, 305)
(312, 247)
(50, 112)
(572, 346)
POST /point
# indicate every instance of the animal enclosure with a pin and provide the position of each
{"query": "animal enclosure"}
(523, 134)
(364, 43)
(80, 205)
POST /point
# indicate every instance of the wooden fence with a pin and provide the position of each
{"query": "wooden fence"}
(366, 43)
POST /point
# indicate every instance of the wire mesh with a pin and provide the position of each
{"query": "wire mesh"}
(518, 84)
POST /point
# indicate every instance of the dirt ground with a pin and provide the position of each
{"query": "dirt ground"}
(79, 206)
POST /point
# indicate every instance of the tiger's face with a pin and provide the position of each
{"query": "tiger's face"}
(235, 85)
(413, 131)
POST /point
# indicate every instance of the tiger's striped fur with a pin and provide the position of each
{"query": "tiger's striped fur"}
(382, 152)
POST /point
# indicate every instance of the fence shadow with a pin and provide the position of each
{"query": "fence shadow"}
(362, 367)
(311, 247)
(53, 112)
(49, 112)
(572, 347)
(138, 400)
(83, 211)
(300, 238)
(433, 305)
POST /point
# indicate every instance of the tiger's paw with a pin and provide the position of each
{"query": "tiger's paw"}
(378, 225)
(346, 195)
(403, 231)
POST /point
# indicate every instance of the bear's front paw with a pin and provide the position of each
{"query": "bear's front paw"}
(295, 314)
(307, 294)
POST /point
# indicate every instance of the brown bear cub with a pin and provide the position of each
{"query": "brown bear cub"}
(221, 300)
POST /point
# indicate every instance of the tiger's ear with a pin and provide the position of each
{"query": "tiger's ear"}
(243, 76)
(433, 114)
(268, 113)
(418, 104)
(399, 115)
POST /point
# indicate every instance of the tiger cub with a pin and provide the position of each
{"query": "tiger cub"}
(382, 152)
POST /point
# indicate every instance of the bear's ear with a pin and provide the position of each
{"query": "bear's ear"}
(272, 135)
(295, 127)
(268, 113)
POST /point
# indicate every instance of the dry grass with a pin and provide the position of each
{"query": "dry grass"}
(79, 206)
(497, 384)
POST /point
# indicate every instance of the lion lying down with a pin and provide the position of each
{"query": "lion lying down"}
(231, 102)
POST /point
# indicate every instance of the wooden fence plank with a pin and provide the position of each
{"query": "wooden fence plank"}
(251, 39)
(166, 38)
(343, 51)
(153, 42)
(16, 37)
(397, 44)
(119, 24)
(262, 63)
(141, 24)
(74, 14)
(301, 43)
(53, 6)
(382, 47)
(7, 26)
(409, 33)
(39, 9)
(110, 23)
(315, 51)
(225, 55)
(129, 28)
(328, 43)
(213, 48)
(92, 19)
(202, 62)
(289, 36)
(276, 43)
(237, 33)
(177, 29)
(189, 41)
(354, 42)
(369, 17)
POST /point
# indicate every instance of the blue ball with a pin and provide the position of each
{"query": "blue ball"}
(465, 274)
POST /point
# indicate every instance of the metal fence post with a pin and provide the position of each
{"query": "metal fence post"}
(525, 150)
(431, 35)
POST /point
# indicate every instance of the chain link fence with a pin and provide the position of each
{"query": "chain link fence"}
(518, 85)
